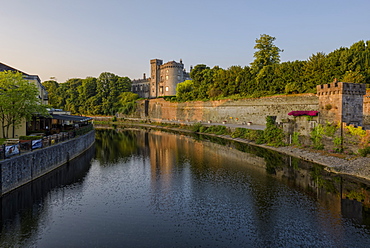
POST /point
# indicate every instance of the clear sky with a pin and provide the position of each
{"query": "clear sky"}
(79, 38)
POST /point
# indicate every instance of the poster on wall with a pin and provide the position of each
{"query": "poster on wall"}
(11, 150)
(36, 144)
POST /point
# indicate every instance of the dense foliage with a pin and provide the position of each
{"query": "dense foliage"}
(267, 76)
(19, 101)
(91, 96)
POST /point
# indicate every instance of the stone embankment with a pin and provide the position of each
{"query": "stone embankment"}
(355, 166)
(19, 170)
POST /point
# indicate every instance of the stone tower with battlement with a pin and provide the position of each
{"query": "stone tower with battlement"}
(165, 77)
(341, 102)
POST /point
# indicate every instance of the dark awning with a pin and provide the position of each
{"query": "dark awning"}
(300, 113)
(74, 118)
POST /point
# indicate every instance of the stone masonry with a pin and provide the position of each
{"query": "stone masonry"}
(341, 102)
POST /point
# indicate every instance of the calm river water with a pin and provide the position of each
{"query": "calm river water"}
(140, 188)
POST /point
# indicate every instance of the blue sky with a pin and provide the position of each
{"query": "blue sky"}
(79, 38)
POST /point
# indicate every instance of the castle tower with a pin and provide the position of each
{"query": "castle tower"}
(155, 77)
(171, 74)
(341, 102)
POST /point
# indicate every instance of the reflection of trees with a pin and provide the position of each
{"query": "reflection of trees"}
(112, 145)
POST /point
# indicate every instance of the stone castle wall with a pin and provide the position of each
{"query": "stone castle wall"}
(366, 109)
(231, 111)
(341, 101)
(253, 110)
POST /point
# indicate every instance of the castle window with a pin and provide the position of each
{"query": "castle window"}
(167, 77)
(166, 88)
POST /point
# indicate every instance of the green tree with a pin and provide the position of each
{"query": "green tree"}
(18, 101)
(184, 91)
(354, 77)
(52, 89)
(267, 53)
(109, 87)
(127, 101)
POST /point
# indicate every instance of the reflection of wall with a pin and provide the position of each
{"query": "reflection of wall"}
(167, 150)
(206, 158)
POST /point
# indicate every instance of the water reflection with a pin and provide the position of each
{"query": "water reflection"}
(147, 188)
(21, 208)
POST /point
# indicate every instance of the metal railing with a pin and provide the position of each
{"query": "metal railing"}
(18, 147)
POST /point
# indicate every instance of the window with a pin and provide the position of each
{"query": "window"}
(166, 88)
(167, 77)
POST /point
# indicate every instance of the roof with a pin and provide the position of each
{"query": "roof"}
(4, 67)
(75, 118)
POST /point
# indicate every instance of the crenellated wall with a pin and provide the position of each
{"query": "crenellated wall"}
(342, 102)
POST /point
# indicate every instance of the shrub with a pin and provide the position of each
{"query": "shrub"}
(203, 129)
(239, 132)
(356, 131)
(338, 141)
(196, 127)
(363, 152)
(330, 129)
(316, 137)
(295, 139)
(219, 130)
(273, 135)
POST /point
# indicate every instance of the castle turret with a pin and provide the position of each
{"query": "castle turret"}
(341, 102)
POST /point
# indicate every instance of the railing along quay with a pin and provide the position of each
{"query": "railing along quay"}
(17, 147)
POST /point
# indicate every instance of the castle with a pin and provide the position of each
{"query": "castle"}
(163, 80)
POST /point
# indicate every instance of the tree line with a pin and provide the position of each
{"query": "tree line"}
(109, 93)
(267, 76)
(105, 95)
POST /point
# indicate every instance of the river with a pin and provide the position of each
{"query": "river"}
(139, 188)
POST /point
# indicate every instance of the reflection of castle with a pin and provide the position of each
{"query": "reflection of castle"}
(163, 81)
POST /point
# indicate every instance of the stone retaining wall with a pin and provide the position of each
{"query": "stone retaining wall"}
(231, 111)
(19, 170)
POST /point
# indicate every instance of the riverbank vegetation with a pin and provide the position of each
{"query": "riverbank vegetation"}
(329, 139)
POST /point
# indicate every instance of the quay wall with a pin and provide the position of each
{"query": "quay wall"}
(232, 111)
(19, 170)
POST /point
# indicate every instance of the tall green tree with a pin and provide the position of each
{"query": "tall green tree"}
(267, 52)
(18, 101)
(52, 89)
